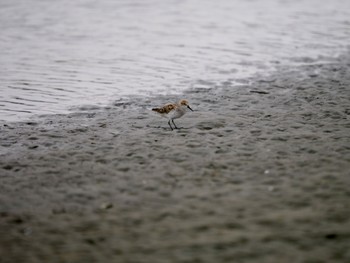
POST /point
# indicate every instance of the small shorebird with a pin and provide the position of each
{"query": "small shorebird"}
(173, 111)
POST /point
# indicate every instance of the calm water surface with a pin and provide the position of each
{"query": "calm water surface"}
(59, 55)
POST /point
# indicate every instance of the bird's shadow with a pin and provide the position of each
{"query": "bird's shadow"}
(167, 128)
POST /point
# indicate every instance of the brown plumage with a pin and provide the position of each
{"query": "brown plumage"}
(165, 109)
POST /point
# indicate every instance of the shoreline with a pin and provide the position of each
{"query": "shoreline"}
(258, 173)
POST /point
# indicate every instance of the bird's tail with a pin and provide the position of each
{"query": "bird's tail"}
(159, 110)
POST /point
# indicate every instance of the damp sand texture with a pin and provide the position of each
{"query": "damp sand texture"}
(258, 173)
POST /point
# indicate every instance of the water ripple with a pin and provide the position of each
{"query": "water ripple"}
(56, 55)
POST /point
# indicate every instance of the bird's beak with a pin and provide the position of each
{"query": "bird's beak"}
(189, 108)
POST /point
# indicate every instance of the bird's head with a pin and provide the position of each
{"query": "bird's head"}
(185, 103)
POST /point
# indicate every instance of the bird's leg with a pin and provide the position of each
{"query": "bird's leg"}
(170, 125)
(174, 124)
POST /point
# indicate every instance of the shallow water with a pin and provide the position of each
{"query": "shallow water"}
(61, 55)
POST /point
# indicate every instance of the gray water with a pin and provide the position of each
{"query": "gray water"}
(58, 56)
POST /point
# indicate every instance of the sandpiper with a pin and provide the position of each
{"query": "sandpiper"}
(173, 111)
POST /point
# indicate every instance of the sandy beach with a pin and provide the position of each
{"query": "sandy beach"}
(259, 172)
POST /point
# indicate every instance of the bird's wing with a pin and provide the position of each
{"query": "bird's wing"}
(166, 108)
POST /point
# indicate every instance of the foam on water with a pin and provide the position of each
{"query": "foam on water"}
(57, 55)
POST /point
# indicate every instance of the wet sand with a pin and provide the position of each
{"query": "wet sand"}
(258, 173)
